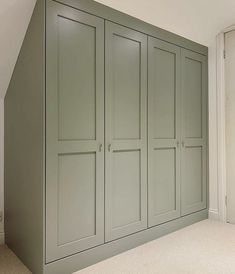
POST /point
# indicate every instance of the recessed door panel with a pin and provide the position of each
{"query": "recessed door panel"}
(164, 82)
(126, 187)
(193, 175)
(163, 132)
(193, 97)
(76, 197)
(126, 132)
(126, 89)
(76, 80)
(74, 132)
(194, 132)
(164, 194)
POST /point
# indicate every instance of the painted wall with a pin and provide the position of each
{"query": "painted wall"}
(14, 19)
(194, 19)
(198, 20)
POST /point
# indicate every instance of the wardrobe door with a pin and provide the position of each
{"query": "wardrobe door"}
(125, 131)
(163, 131)
(74, 131)
(194, 132)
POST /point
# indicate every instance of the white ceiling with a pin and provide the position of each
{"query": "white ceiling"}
(198, 20)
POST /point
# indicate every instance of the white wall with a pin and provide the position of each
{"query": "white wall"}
(14, 19)
(198, 20)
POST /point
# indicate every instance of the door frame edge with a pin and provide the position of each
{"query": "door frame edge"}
(221, 133)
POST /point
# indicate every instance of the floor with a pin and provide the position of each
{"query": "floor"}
(207, 247)
(9, 263)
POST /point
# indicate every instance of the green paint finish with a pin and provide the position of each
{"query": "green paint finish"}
(164, 189)
(84, 259)
(24, 148)
(96, 209)
(125, 131)
(76, 187)
(125, 181)
(194, 132)
(163, 132)
(74, 132)
(121, 18)
(126, 91)
(76, 62)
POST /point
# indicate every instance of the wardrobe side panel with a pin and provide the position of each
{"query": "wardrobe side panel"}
(24, 148)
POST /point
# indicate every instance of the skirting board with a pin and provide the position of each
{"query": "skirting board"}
(2, 238)
(83, 259)
(214, 214)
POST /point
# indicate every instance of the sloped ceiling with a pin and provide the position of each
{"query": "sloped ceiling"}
(14, 19)
(198, 20)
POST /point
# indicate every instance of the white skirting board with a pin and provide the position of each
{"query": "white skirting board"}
(2, 238)
(214, 214)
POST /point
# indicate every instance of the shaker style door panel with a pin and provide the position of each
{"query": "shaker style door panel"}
(163, 132)
(194, 132)
(126, 132)
(74, 132)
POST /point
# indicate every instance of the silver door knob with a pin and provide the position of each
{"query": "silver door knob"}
(100, 147)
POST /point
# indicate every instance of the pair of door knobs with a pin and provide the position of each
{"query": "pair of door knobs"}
(109, 146)
(101, 145)
(178, 143)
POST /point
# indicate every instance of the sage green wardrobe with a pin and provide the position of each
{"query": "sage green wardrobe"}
(105, 136)
(177, 132)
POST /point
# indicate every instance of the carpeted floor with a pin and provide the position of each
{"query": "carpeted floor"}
(9, 263)
(207, 247)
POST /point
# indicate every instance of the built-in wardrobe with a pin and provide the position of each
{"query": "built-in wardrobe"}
(105, 136)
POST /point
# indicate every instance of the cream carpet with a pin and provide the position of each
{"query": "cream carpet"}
(9, 263)
(207, 247)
